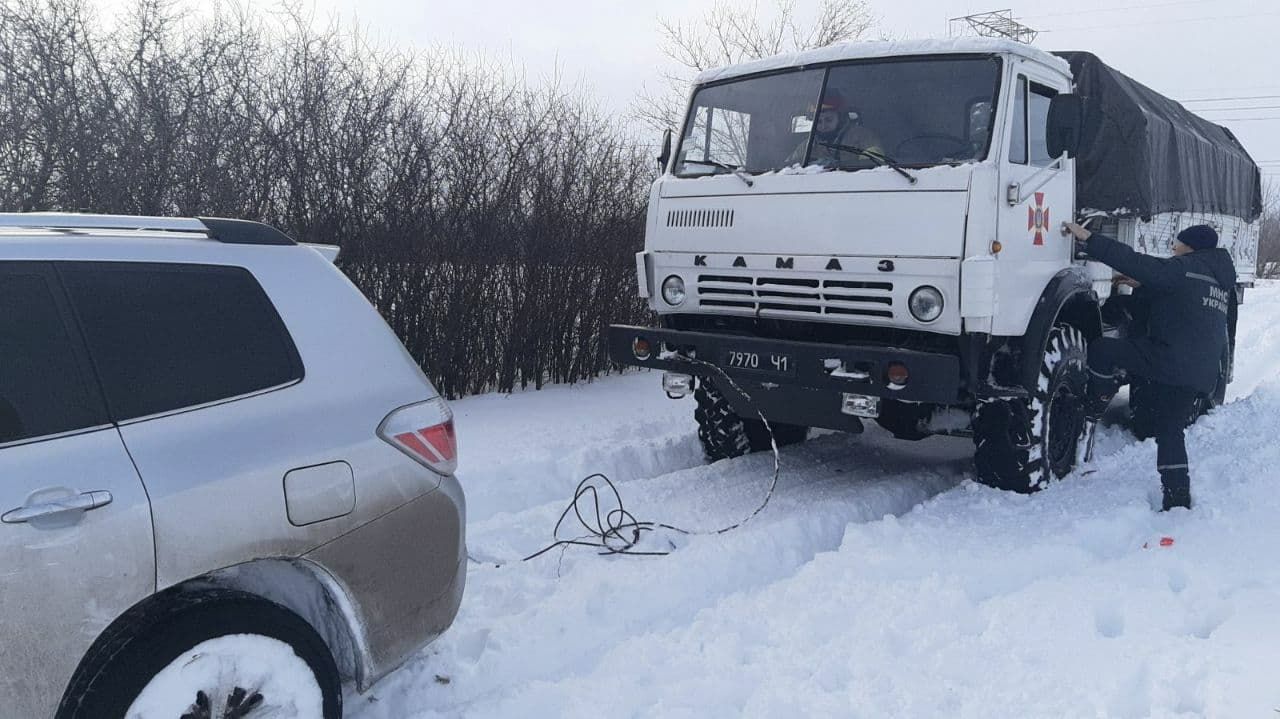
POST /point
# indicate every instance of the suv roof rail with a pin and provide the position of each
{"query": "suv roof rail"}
(238, 232)
(244, 232)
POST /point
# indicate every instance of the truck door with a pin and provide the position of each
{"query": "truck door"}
(1037, 196)
(75, 523)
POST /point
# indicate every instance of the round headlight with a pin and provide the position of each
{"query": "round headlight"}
(673, 290)
(926, 304)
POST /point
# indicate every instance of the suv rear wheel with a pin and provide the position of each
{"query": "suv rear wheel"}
(216, 654)
(1023, 444)
(724, 434)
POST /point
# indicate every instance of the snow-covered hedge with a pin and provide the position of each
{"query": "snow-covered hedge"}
(492, 220)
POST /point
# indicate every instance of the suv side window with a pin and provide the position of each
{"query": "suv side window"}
(170, 336)
(44, 387)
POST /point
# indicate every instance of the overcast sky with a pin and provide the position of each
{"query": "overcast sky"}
(1187, 49)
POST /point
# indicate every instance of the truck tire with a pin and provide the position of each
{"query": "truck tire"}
(724, 434)
(149, 660)
(1023, 444)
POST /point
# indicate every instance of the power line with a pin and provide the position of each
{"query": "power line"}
(1232, 99)
(1114, 26)
(1245, 119)
(1237, 109)
(1114, 9)
(1250, 88)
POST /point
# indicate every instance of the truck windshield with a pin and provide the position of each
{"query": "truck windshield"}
(915, 112)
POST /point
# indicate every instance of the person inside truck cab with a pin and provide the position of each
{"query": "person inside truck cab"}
(1191, 314)
(838, 123)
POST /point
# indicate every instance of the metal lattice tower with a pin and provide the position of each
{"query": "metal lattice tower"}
(997, 23)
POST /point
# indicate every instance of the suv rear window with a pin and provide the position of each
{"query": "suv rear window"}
(43, 387)
(170, 336)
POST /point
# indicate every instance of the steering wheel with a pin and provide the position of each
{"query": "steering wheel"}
(959, 142)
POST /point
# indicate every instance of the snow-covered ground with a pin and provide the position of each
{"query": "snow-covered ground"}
(879, 582)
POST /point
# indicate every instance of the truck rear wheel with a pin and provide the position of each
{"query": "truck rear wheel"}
(1023, 444)
(724, 434)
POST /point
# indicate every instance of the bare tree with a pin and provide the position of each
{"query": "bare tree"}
(492, 222)
(728, 34)
(1269, 239)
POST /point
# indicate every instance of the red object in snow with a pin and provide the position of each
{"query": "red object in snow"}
(1166, 541)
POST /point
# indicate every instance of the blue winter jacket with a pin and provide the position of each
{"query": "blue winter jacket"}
(1192, 310)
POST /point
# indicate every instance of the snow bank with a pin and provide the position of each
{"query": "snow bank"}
(879, 582)
(521, 450)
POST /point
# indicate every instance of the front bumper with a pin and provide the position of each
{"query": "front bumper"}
(935, 377)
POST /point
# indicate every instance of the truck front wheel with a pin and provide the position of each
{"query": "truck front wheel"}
(1023, 444)
(724, 434)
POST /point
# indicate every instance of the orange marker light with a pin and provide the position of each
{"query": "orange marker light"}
(640, 348)
(897, 373)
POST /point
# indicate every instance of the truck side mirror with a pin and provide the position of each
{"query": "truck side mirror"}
(665, 156)
(1066, 116)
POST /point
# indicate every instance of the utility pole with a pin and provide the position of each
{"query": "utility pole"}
(997, 23)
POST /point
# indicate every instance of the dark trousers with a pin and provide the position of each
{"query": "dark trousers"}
(1111, 363)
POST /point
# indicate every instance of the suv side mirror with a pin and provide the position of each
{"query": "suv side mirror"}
(665, 156)
(1066, 116)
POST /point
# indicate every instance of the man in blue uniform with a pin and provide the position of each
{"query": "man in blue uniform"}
(1192, 311)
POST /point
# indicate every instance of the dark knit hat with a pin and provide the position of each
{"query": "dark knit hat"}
(1199, 237)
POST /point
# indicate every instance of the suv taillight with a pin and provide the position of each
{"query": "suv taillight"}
(424, 431)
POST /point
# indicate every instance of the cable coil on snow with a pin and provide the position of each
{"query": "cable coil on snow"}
(618, 531)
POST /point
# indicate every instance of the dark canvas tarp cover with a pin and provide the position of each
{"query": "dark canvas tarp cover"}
(1143, 153)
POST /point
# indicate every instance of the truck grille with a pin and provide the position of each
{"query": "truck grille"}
(796, 296)
(700, 218)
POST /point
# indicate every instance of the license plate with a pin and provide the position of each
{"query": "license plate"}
(772, 362)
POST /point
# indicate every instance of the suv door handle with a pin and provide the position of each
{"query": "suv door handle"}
(79, 503)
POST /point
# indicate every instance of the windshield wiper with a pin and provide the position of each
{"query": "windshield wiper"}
(738, 172)
(873, 156)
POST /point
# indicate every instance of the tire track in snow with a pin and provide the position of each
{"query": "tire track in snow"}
(976, 603)
(826, 484)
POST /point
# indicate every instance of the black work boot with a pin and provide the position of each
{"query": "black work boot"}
(1175, 497)
(1176, 488)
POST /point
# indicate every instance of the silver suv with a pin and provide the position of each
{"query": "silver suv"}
(225, 487)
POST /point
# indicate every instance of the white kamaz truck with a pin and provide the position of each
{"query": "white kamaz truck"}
(872, 231)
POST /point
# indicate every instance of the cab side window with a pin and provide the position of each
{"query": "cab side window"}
(1018, 138)
(44, 388)
(1038, 124)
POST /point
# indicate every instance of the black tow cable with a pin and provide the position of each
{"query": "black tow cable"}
(617, 531)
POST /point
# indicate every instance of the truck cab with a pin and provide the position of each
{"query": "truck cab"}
(873, 231)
